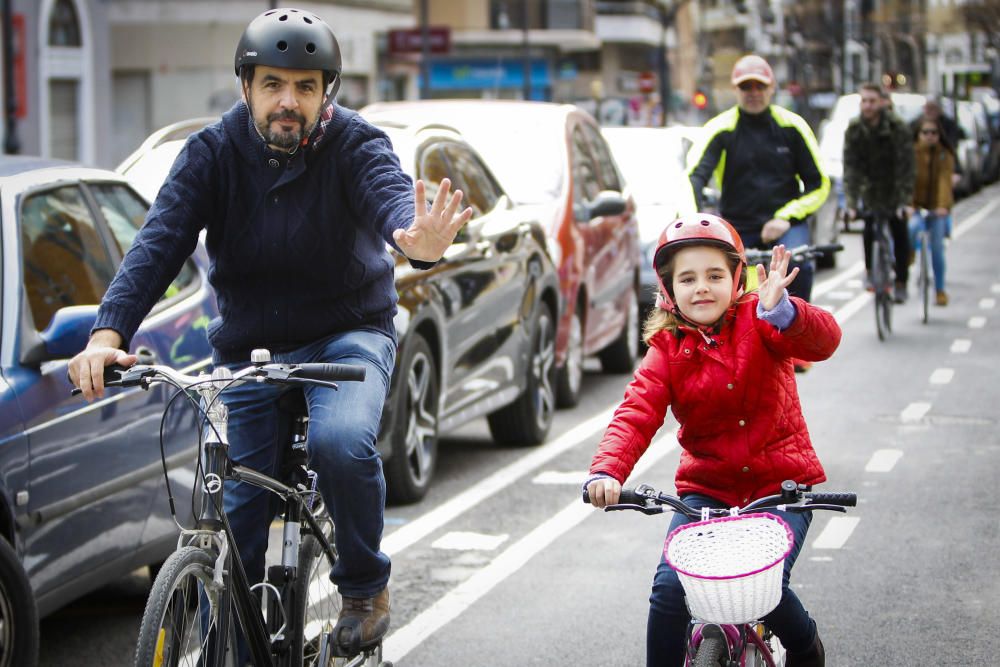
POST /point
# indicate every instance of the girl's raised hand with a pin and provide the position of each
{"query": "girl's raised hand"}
(772, 284)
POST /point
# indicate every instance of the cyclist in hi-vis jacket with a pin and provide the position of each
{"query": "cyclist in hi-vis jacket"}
(765, 160)
(299, 197)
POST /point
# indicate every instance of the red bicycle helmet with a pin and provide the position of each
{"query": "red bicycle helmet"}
(696, 229)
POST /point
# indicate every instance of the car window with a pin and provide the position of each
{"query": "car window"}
(65, 260)
(585, 183)
(481, 193)
(605, 164)
(125, 212)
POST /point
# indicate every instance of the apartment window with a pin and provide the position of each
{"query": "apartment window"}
(64, 25)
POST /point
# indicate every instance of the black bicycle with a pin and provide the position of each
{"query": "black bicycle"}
(202, 604)
(880, 271)
(730, 563)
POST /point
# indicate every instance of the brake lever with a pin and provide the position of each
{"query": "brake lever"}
(645, 509)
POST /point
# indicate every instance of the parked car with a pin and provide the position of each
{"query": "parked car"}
(553, 157)
(973, 148)
(831, 152)
(82, 488)
(652, 160)
(476, 332)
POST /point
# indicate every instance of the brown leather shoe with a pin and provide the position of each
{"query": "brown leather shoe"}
(362, 622)
(941, 298)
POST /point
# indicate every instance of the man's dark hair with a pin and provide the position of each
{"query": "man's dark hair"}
(872, 86)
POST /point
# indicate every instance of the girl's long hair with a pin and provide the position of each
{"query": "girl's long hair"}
(663, 320)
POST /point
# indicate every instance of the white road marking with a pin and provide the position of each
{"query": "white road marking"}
(836, 532)
(840, 295)
(558, 477)
(961, 345)
(460, 598)
(425, 524)
(942, 375)
(852, 306)
(465, 541)
(914, 412)
(973, 220)
(883, 460)
(977, 322)
(821, 559)
(842, 277)
(987, 303)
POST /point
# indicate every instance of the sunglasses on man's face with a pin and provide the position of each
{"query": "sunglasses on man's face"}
(752, 85)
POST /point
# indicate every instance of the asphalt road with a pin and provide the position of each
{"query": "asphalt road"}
(502, 565)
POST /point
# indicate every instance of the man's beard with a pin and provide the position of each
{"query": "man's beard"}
(289, 140)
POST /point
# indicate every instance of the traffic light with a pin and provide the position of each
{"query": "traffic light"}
(699, 100)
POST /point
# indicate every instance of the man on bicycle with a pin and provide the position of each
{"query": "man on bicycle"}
(879, 172)
(766, 162)
(298, 197)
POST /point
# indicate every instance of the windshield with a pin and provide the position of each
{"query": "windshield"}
(529, 165)
(651, 160)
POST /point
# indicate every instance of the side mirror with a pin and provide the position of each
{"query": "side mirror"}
(67, 334)
(607, 203)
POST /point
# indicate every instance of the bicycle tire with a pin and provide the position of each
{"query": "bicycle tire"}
(888, 281)
(924, 281)
(172, 631)
(880, 281)
(712, 652)
(317, 603)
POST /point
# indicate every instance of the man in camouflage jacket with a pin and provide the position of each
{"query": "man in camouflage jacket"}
(878, 175)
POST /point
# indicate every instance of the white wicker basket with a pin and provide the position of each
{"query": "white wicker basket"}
(731, 568)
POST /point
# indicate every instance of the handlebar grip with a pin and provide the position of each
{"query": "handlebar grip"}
(842, 499)
(112, 378)
(828, 249)
(331, 372)
(630, 497)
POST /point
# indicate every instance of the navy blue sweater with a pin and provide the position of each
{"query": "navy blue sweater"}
(297, 244)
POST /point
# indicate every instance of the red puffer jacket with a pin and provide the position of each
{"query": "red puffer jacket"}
(742, 428)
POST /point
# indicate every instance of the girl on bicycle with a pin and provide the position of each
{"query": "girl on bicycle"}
(722, 361)
(932, 192)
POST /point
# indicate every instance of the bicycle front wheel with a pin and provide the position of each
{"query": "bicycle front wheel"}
(882, 282)
(712, 652)
(317, 603)
(187, 622)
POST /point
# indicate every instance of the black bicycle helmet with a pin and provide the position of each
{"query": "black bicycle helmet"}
(293, 39)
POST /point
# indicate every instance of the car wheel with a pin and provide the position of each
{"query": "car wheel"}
(620, 355)
(569, 376)
(18, 615)
(527, 420)
(414, 442)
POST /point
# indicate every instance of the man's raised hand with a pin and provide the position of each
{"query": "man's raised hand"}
(432, 231)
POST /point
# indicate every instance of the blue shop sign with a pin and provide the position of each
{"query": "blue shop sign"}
(487, 73)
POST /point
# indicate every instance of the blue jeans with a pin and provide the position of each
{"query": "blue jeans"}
(937, 226)
(795, 236)
(343, 427)
(666, 629)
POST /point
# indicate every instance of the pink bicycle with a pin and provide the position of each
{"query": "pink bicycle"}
(730, 563)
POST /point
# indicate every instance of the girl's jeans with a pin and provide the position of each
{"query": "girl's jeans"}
(666, 631)
(937, 225)
(343, 427)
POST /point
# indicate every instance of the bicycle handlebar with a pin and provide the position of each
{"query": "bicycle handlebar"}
(799, 253)
(793, 498)
(142, 375)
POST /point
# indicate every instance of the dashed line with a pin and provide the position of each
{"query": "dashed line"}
(559, 477)
(977, 322)
(942, 375)
(973, 220)
(883, 460)
(914, 412)
(460, 598)
(961, 345)
(987, 304)
(845, 276)
(465, 541)
(851, 307)
(836, 532)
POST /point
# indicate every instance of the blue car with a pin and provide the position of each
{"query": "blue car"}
(82, 490)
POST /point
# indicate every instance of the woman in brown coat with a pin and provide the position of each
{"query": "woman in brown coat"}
(932, 197)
